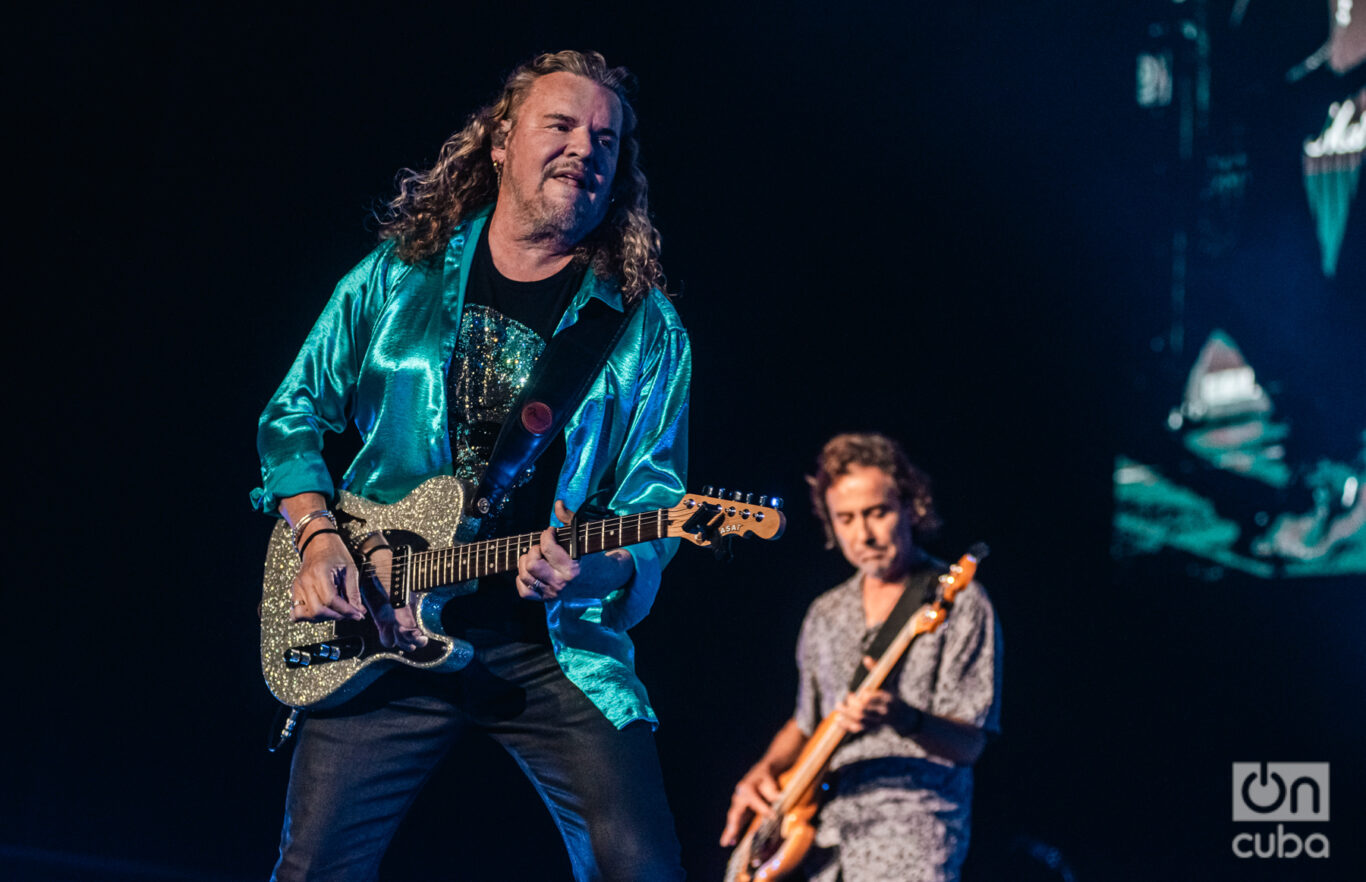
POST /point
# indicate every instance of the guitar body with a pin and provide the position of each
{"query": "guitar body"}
(428, 517)
(795, 833)
(774, 848)
(321, 664)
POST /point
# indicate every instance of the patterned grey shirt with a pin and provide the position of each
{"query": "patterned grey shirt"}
(899, 813)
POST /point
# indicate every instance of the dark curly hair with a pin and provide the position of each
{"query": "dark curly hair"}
(875, 450)
(430, 203)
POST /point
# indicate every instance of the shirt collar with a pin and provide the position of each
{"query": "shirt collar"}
(593, 287)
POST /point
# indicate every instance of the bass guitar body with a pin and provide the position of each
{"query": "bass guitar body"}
(774, 847)
(795, 835)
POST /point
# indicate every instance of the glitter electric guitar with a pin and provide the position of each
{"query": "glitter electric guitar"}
(320, 664)
(772, 847)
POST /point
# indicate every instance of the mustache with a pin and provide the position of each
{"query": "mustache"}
(577, 169)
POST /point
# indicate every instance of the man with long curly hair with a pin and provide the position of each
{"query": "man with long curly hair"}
(901, 782)
(534, 216)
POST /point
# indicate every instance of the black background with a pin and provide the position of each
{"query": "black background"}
(944, 222)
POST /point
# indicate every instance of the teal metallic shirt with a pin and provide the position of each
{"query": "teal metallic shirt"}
(378, 357)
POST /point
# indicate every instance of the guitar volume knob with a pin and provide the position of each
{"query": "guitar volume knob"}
(297, 658)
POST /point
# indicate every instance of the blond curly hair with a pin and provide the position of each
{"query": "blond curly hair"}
(431, 203)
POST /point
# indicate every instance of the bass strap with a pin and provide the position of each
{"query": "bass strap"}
(916, 593)
(555, 389)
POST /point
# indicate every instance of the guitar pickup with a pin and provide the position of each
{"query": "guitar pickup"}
(322, 653)
(398, 578)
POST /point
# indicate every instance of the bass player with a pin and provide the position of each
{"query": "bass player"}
(901, 781)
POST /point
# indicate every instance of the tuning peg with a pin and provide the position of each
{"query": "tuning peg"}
(775, 502)
(749, 499)
(708, 490)
(737, 496)
(720, 493)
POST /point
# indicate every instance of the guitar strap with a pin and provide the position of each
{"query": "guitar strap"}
(917, 592)
(555, 389)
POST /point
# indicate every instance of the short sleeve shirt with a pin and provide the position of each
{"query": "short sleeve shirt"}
(898, 813)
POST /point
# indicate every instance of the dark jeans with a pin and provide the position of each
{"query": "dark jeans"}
(357, 769)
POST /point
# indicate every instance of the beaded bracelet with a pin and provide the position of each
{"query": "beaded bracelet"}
(298, 529)
(314, 535)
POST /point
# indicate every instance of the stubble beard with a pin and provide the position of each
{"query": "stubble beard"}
(554, 220)
(891, 568)
(883, 570)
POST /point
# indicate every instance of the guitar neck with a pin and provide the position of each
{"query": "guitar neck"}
(461, 563)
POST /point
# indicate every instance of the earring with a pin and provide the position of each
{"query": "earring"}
(498, 172)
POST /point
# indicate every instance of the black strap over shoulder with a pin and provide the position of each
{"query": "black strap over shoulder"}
(918, 591)
(557, 386)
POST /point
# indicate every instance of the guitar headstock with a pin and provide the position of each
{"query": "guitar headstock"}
(960, 574)
(703, 518)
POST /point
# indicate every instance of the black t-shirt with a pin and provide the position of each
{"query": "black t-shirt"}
(506, 313)
(537, 305)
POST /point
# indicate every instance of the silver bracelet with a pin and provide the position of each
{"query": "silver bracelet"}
(298, 528)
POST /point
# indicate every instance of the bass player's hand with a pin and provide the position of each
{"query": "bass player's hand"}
(879, 707)
(857, 712)
(754, 795)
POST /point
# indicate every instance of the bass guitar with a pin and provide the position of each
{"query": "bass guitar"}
(320, 664)
(774, 846)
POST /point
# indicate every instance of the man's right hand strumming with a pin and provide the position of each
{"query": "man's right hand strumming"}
(328, 586)
(758, 790)
(754, 795)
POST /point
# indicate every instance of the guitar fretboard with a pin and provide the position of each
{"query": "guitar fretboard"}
(426, 570)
